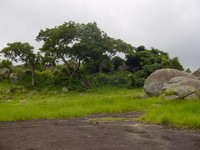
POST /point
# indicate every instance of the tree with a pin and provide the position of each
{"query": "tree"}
(80, 43)
(23, 52)
(117, 62)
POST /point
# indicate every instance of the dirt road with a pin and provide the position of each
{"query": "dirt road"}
(82, 134)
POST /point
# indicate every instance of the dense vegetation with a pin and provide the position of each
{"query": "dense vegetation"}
(79, 56)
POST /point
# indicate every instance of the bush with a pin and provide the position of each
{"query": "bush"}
(5, 63)
(43, 79)
(136, 81)
(112, 78)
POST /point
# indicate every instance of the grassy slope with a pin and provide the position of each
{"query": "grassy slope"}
(101, 100)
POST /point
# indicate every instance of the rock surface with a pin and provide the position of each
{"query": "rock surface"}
(154, 83)
(197, 73)
(64, 89)
(5, 72)
(182, 87)
(14, 78)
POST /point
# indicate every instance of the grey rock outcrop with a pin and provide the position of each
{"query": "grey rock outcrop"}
(14, 78)
(197, 73)
(64, 89)
(5, 72)
(154, 83)
(182, 87)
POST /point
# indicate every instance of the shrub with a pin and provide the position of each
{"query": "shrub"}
(112, 78)
(5, 63)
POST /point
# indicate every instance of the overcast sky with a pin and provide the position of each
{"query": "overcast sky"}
(172, 26)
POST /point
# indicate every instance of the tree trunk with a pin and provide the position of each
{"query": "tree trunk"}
(33, 77)
(71, 75)
(70, 80)
(100, 68)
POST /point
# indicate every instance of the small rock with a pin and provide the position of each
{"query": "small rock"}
(32, 93)
(144, 96)
(194, 96)
(82, 94)
(14, 78)
(55, 92)
(9, 98)
(64, 89)
(157, 105)
(171, 97)
(8, 91)
(24, 100)
(5, 72)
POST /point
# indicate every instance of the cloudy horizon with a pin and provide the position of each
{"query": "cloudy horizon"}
(168, 25)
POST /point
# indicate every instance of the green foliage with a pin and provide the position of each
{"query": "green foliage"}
(117, 62)
(85, 49)
(5, 63)
(60, 76)
(188, 70)
(44, 79)
(143, 62)
(136, 81)
(23, 52)
(113, 78)
(153, 59)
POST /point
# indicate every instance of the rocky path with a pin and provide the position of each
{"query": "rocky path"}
(82, 134)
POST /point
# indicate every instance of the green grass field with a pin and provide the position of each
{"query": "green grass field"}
(26, 106)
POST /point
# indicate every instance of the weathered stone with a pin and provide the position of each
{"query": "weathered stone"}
(5, 72)
(170, 97)
(14, 78)
(183, 87)
(144, 96)
(9, 98)
(85, 83)
(184, 91)
(64, 89)
(154, 83)
(23, 90)
(156, 105)
(33, 93)
(197, 73)
(193, 96)
(55, 92)
(83, 94)
(8, 91)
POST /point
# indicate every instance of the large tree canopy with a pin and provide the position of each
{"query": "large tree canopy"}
(84, 43)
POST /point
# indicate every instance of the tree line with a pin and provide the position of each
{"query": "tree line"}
(85, 45)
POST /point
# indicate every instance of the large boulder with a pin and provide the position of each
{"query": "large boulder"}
(197, 73)
(5, 72)
(182, 87)
(154, 83)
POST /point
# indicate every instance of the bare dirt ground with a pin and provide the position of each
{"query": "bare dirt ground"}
(81, 134)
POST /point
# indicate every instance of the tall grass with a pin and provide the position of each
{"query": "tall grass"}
(23, 106)
(177, 113)
(103, 100)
